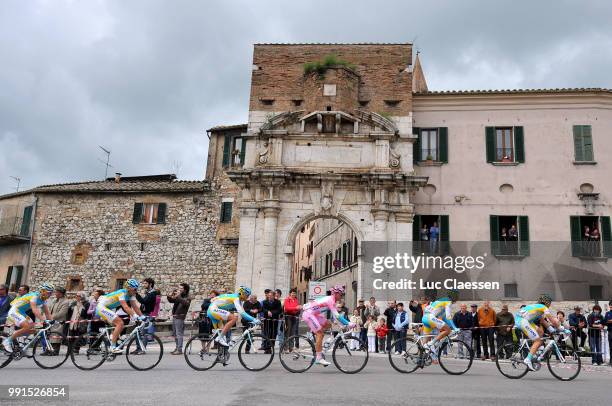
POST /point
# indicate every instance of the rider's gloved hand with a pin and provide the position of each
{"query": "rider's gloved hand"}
(142, 318)
(256, 322)
(50, 322)
(456, 330)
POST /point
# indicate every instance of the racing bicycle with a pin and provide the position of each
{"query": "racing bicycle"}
(563, 362)
(408, 354)
(349, 353)
(255, 351)
(49, 349)
(143, 351)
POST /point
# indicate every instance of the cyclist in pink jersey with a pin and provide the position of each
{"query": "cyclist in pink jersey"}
(317, 321)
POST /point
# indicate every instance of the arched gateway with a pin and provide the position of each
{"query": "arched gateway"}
(329, 134)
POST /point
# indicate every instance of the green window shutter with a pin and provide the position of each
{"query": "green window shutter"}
(578, 151)
(443, 144)
(494, 228)
(416, 146)
(226, 212)
(587, 143)
(19, 275)
(576, 236)
(161, 213)
(523, 235)
(243, 151)
(444, 235)
(138, 212)
(416, 225)
(226, 150)
(519, 145)
(490, 141)
(606, 236)
(8, 277)
(27, 219)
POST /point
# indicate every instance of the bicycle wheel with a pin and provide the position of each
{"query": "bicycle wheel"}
(565, 368)
(88, 351)
(455, 357)
(143, 355)
(350, 355)
(409, 356)
(50, 350)
(256, 352)
(509, 361)
(297, 354)
(5, 357)
(201, 353)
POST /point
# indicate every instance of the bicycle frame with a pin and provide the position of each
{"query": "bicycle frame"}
(106, 334)
(341, 336)
(42, 332)
(546, 342)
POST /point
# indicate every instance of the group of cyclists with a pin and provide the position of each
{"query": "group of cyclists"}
(532, 320)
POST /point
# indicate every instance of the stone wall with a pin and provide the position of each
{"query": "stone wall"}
(99, 227)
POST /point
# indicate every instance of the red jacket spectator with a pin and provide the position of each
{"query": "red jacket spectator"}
(291, 306)
(382, 331)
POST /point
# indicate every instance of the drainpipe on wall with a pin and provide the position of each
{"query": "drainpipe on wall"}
(32, 228)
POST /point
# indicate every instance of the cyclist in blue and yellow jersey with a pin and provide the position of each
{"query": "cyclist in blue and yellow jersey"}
(111, 301)
(532, 320)
(18, 317)
(220, 310)
(438, 315)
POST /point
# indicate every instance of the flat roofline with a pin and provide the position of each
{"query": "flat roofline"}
(331, 43)
(513, 91)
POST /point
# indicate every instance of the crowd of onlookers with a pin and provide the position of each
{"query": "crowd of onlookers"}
(482, 326)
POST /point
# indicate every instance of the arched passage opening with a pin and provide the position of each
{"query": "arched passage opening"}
(325, 249)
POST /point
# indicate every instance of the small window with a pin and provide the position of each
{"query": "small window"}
(226, 212)
(149, 213)
(141, 246)
(237, 151)
(267, 102)
(511, 290)
(392, 103)
(595, 292)
(505, 144)
(74, 284)
(297, 102)
(583, 143)
(328, 108)
(363, 103)
(119, 282)
(107, 246)
(591, 236)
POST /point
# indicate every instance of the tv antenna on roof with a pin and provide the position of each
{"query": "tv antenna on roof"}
(18, 180)
(107, 164)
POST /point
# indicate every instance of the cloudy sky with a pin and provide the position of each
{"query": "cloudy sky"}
(146, 78)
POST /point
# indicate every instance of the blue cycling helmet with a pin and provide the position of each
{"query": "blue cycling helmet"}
(244, 291)
(132, 283)
(46, 287)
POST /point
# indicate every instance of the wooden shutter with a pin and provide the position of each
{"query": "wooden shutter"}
(494, 228)
(578, 151)
(587, 143)
(161, 213)
(576, 236)
(416, 226)
(19, 275)
(226, 212)
(8, 277)
(444, 235)
(243, 151)
(25, 223)
(606, 236)
(523, 235)
(519, 145)
(138, 212)
(490, 141)
(227, 150)
(443, 144)
(416, 146)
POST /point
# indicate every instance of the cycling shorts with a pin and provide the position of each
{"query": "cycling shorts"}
(315, 320)
(528, 328)
(217, 316)
(17, 318)
(431, 323)
(105, 313)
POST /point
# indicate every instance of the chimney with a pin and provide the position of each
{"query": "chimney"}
(117, 177)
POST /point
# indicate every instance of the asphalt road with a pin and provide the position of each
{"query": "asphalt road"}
(174, 383)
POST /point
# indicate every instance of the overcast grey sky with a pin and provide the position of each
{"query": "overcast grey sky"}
(146, 78)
